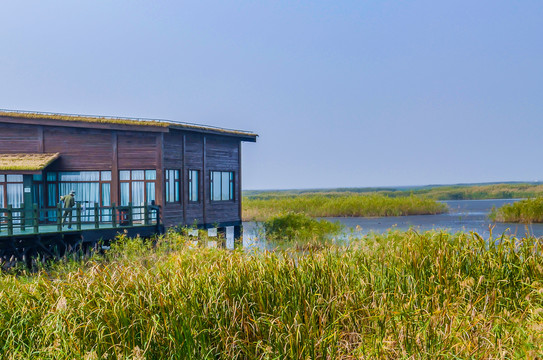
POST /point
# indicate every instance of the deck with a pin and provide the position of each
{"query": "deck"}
(27, 232)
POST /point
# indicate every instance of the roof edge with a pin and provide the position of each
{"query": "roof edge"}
(143, 124)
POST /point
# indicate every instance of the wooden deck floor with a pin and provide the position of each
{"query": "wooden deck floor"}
(52, 228)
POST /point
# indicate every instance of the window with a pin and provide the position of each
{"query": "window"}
(172, 186)
(137, 187)
(222, 185)
(194, 176)
(11, 190)
(91, 187)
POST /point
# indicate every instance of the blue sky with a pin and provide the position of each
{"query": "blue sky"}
(342, 93)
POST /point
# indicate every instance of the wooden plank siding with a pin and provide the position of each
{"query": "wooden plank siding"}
(173, 160)
(194, 160)
(19, 139)
(137, 151)
(80, 149)
(92, 149)
(222, 155)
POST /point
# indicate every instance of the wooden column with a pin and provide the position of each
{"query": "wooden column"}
(40, 139)
(239, 195)
(184, 182)
(160, 194)
(205, 183)
(115, 185)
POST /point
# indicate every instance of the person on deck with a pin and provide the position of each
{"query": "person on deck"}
(69, 203)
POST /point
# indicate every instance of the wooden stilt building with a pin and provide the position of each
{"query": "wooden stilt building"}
(191, 173)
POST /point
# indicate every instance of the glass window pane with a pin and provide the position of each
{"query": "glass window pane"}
(150, 174)
(225, 186)
(138, 175)
(2, 178)
(125, 194)
(38, 177)
(15, 195)
(193, 187)
(68, 176)
(138, 192)
(171, 191)
(106, 175)
(138, 199)
(86, 193)
(124, 175)
(106, 194)
(53, 199)
(176, 186)
(14, 178)
(216, 185)
(80, 176)
(51, 176)
(2, 204)
(150, 192)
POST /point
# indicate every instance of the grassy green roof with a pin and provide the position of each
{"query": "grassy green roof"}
(26, 162)
(122, 121)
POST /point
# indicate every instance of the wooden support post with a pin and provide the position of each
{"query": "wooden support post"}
(23, 218)
(113, 215)
(36, 218)
(146, 214)
(59, 217)
(78, 216)
(130, 217)
(96, 216)
(10, 220)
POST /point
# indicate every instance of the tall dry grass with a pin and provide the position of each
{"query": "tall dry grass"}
(339, 205)
(525, 211)
(397, 295)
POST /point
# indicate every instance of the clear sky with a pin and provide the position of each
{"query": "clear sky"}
(342, 93)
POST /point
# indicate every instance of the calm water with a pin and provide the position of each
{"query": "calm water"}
(464, 215)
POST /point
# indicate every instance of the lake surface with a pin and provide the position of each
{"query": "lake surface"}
(463, 215)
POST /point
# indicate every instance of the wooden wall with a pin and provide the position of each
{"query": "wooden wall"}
(19, 139)
(185, 151)
(222, 155)
(84, 149)
(80, 149)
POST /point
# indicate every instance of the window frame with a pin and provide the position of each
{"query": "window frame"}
(231, 185)
(57, 183)
(4, 181)
(190, 182)
(176, 183)
(131, 180)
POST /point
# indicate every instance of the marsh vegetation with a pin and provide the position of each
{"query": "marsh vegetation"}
(260, 208)
(526, 211)
(394, 295)
(437, 192)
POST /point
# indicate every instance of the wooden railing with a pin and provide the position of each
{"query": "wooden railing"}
(41, 220)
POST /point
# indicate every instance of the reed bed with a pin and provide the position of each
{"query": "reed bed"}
(339, 205)
(397, 295)
(525, 211)
(292, 227)
(437, 192)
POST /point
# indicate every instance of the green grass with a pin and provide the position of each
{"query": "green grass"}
(339, 205)
(525, 211)
(397, 295)
(292, 227)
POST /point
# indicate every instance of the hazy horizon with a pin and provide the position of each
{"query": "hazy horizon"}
(400, 186)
